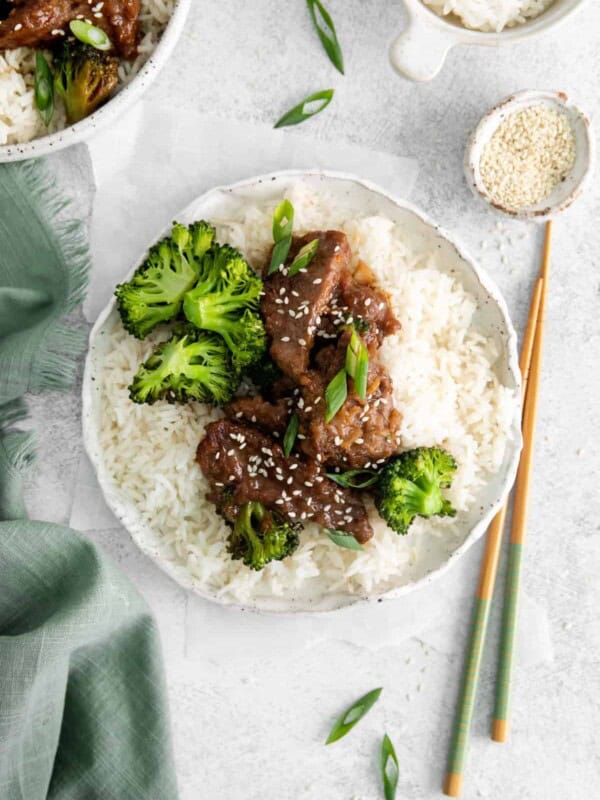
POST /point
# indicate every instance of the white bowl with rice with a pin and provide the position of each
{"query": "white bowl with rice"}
(456, 381)
(435, 26)
(22, 132)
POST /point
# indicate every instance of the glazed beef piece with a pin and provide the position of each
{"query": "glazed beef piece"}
(33, 23)
(362, 304)
(242, 464)
(270, 417)
(363, 432)
(292, 307)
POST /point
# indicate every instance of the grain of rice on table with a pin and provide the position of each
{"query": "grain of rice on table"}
(19, 119)
(490, 15)
(444, 385)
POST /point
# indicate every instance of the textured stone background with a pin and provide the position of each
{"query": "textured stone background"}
(250, 727)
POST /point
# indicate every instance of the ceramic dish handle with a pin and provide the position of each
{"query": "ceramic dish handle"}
(420, 51)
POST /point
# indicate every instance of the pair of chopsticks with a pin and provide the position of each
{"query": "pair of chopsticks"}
(530, 364)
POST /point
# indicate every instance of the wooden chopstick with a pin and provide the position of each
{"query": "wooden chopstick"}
(485, 591)
(500, 723)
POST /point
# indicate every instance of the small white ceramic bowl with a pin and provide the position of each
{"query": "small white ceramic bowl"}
(419, 51)
(568, 190)
(109, 112)
(355, 197)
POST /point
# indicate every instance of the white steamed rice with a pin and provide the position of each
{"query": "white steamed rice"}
(19, 119)
(444, 385)
(490, 15)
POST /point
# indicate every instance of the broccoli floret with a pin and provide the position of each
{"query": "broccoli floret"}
(410, 485)
(225, 300)
(258, 536)
(190, 366)
(155, 293)
(84, 77)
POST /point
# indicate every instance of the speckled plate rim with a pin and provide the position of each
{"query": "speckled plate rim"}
(124, 99)
(140, 532)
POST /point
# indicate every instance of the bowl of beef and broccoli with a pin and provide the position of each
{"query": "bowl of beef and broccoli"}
(295, 401)
(68, 66)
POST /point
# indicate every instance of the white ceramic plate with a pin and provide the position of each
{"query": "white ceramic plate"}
(124, 99)
(358, 198)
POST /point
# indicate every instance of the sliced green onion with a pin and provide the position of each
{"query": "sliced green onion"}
(352, 352)
(335, 395)
(306, 109)
(280, 253)
(362, 372)
(389, 768)
(90, 34)
(347, 479)
(352, 715)
(283, 224)
(283, 220)
(326, 30)
(343, 540)
(357, 364)
(44, 88)
(290, 434)
(303, 257)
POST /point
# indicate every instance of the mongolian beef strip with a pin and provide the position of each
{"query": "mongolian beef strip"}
(33, 23)
(242, 464)
(363, 433)
(270, 417)
(292, 307)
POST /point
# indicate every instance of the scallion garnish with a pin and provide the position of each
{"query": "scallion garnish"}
(343, 539)
(90, 34)
(351, 479)
(352, 715)
(303, 258)
(44, 88)
(306, 109)
(290, 434)
(335, 395)
(389, 768)
(283, 224)
(326, 30)
(357, 364)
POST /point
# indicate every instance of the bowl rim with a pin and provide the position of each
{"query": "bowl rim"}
(118, 104)
(463, 35)
(495, 116)
(338, 601)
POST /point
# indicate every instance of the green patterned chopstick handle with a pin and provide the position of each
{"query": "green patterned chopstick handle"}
(466, 703)
(507, 643)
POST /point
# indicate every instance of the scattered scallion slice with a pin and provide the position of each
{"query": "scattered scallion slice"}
(357, 364)
(326, 30)
(290, 434)
(352, 715)
(335, 395)
(44, 88)
(347, 479)
(90, 34)
(389, 768)
(303, 258)
(283, 224)
(343, 539)
(306, 109)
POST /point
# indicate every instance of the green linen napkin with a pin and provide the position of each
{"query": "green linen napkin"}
(82, 700)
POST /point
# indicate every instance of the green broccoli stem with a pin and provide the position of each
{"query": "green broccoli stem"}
(218, 313)
(423, 496)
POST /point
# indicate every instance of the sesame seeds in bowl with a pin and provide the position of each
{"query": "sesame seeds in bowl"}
(531, 156)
